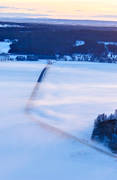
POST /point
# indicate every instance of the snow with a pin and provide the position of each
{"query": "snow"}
(82, 57)
(10, 26)
(107, 43)
(70, 98)
(67, 58)
(5, 46)
(79, 43)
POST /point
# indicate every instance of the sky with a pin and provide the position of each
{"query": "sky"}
(60, 9)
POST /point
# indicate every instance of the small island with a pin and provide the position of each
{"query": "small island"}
(105, 131)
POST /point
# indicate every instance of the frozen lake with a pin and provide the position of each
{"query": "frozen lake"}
(70, 98)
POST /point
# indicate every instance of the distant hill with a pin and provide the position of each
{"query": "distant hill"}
(51, 39)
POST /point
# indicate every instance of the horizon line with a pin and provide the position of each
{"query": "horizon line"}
(84, 22)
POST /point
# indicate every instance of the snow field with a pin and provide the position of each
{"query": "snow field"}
(71, 97)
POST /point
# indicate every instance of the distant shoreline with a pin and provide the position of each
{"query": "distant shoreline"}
(91, 23)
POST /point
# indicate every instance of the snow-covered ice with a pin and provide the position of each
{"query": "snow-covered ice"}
(71, 97)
